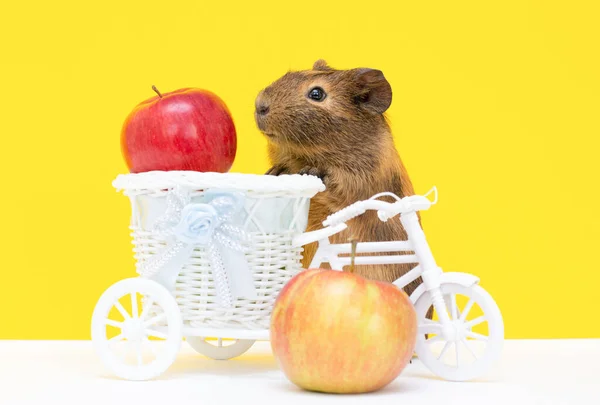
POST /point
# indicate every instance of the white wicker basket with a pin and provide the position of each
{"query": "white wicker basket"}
(276, 210)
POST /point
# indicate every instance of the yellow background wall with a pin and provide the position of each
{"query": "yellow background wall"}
(496, 103)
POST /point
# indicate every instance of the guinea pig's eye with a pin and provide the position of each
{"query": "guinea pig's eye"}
(317, 94)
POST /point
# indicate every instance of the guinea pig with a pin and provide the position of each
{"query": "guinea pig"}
(331, 123)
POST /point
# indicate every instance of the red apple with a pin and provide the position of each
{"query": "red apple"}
(187, 129)
(337, 332)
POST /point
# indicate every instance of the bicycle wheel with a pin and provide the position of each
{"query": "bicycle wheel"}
(219, 349)
(478, 333)
(136, 329)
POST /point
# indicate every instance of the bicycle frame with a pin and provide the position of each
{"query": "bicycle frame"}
(417, 243)
(416, 250)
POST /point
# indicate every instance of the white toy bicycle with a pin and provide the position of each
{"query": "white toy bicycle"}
(449, 346)
(213, 250)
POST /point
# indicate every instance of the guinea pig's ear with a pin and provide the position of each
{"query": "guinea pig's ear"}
(374, 91)
(321, 65)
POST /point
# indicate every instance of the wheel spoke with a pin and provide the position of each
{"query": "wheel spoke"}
(475, 321)
(134, 305)
(155, 333)
(122, 310)
(111, 322)
(220, 342)
(432, 327)
(453, 308)
(146, 309)
(457, 354)
(138, 350)
(117, 338)
(155, 320)
(477, 336)
(465, 342)
(446, 346)
(466, 310)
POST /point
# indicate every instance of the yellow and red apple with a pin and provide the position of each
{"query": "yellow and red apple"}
(338, 332)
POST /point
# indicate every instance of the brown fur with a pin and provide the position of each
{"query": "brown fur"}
(344, 139)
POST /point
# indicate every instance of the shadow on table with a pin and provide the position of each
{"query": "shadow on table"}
(263, 366)
(394, 388)
(247, 365)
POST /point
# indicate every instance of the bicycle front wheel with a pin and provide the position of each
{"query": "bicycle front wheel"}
(478, 333)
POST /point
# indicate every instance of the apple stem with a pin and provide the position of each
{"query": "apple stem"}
(157, 92)
(352, 254)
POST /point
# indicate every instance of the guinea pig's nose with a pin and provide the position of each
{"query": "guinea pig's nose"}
(262, 109)
(262, 104)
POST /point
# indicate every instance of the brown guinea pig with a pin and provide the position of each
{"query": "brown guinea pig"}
(331, 123)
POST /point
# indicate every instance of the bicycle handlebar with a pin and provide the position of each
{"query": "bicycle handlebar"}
(384, 209)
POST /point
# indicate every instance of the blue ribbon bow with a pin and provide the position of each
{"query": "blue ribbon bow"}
(187, 225)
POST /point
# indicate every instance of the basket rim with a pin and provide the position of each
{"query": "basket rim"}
(160, 180)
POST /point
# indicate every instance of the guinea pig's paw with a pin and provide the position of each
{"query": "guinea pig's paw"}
(277, 170)
(313, 171)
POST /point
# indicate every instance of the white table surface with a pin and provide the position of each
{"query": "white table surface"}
(533, 372)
